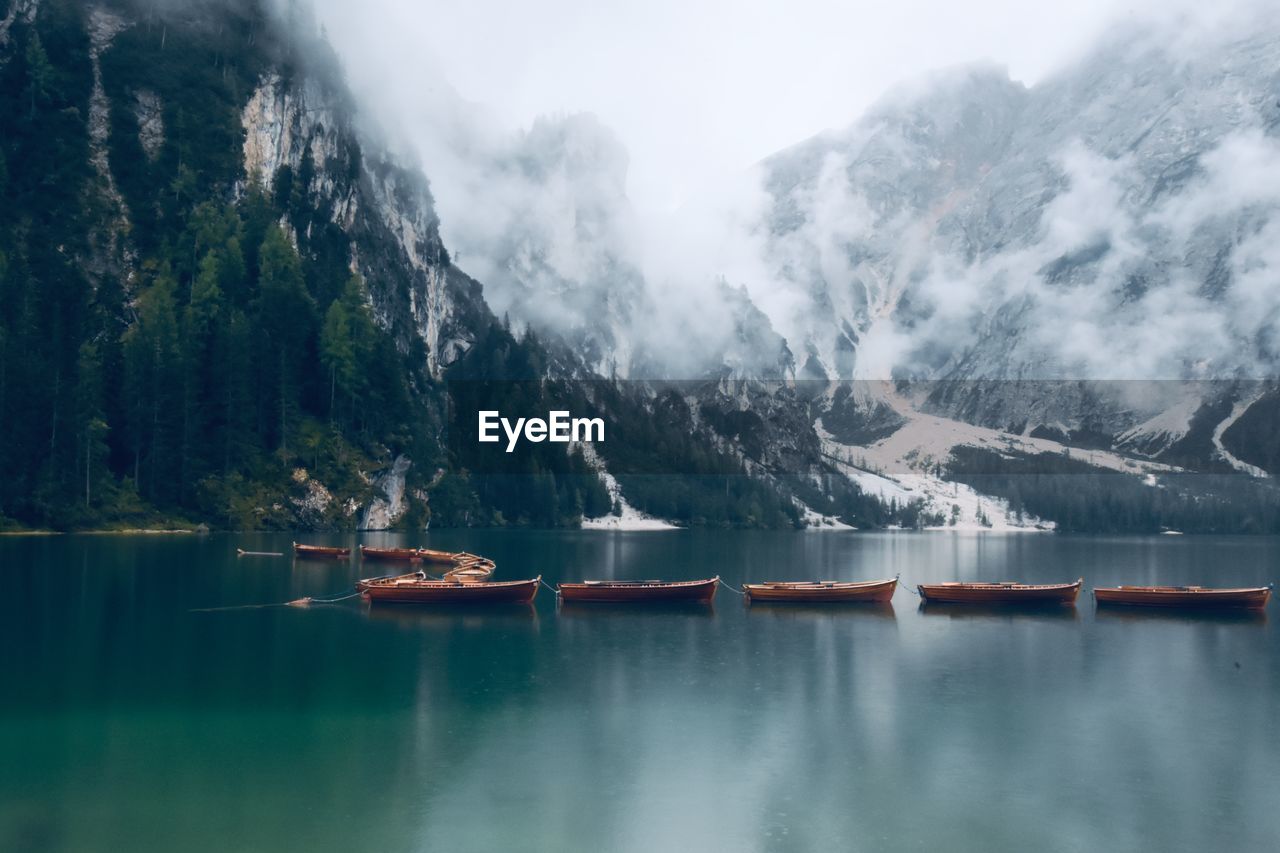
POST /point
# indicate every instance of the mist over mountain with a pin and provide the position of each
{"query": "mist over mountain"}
(1099, 224)
(905, 321)
(1109, 222)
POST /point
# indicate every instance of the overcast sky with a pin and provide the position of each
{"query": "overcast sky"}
(696, 89)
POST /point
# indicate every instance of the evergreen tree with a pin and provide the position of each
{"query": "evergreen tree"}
(284, 317)
(153, 379)
(90, 425)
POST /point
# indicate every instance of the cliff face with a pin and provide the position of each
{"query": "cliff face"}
(156, 146)
(304, 132)
(255, 308)
(301, 131)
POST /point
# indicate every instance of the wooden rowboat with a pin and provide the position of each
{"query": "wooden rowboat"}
(822, 591)
(1253, 598)
(418, 589)
(320, 551)
(638, 591)
(1001, 593)
(409, 555)
(470, 574)
(429, 556)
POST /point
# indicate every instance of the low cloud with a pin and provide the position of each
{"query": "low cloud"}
(874, 255)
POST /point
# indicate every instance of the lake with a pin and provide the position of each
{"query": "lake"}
(135, 717)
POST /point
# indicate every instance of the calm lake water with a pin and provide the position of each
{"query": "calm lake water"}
(130, 720)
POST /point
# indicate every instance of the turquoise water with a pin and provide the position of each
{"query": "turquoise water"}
(132, 721)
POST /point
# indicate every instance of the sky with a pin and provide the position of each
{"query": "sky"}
(695, 91)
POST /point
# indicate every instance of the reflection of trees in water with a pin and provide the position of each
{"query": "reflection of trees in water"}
(730, 727)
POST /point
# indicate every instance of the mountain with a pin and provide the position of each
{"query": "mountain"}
(229, 298)
(1110, 222)
(213, 277)
(1079, 266)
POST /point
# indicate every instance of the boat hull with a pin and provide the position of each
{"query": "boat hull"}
(875, 592)
(441, 557)
(394, 591)
(625, 593)
(1002, 594)
(1191, 598)
(391, 555)
(320, 551)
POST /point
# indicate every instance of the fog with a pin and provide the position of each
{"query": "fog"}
(598, 167)
(696, 91)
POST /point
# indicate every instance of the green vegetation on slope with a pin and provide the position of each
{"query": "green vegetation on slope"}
(233, 358)
(1085, 499)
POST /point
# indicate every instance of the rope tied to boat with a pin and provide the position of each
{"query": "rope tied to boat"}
(731, 587)
(305, 601)
(908, 587)
(553, 590)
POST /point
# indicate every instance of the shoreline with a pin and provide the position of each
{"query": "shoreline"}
(129, 531)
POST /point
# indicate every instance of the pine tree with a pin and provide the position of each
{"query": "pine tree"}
(337, 353)
(201, 375)
(40, 74)
(91, 426)
(153, 379)
(284, 316)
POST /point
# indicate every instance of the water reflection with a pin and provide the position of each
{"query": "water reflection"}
(1105, 613)
(473, 617)
(133, 723)
(1003, 612)
(784, 611)
(635, 609)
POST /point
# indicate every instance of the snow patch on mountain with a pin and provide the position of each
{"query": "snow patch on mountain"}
(628, 517)
(1166, 427)
(814, 520)
(963, 508)
(1239, 409)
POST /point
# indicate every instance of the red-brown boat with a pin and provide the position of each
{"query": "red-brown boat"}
(404, 555)
(1001, 593)
(814, 592)
(418, 589)
(450, 557)
(320, 551)
(470, 573)
(640, 591)
(1197, 597)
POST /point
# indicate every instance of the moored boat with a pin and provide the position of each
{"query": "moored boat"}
(429, 556)
(418, 589)
(1001, 593)
(407, 555)
(822, 591)
(320, 551)
(1253, 598)
(471, 573)
(639, 591)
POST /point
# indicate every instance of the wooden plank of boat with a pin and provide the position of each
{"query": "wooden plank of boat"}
(1184, 596)
(1001, 593)
(320, 551)
(469, 574)
(429, 556)
(416, 589)
(822, 591)
(638, 591)
(240, 552)
(407, 555)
